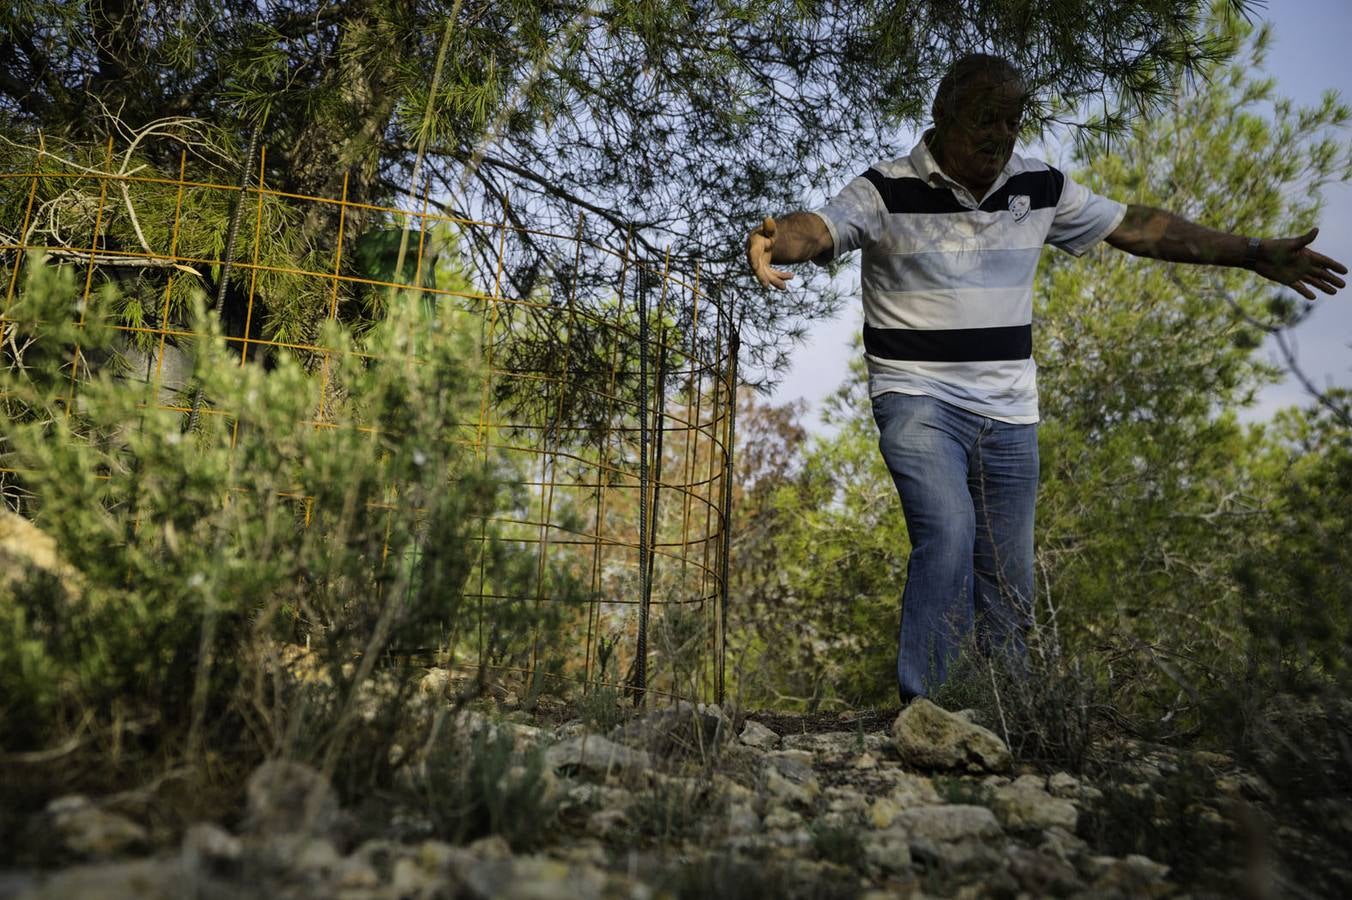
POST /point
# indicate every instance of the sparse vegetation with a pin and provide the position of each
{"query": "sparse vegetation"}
(481, 784)
(256, 588)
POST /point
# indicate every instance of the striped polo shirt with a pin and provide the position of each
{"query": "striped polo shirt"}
(948, 277)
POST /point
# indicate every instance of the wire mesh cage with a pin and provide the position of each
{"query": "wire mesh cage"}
(601, 397)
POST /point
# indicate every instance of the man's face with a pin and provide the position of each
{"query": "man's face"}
(979, 129)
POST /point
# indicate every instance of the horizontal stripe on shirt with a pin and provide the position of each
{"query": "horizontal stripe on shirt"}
(989, 308)
(980, 269)
(950, 344)
(914, 196)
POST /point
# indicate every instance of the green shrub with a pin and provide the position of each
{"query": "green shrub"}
(341, 509)
(839, 844)
(674, 808)
(601, 708)
(963, 791)
(1172, 820)
(1050, 713)
(479, 785)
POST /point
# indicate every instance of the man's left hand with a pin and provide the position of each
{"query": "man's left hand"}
(1291, 262)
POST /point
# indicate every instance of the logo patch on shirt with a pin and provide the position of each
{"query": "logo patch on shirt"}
(1019, 204)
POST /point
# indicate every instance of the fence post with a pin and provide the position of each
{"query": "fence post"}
(734, 345)
(228, 260)
(640, 680)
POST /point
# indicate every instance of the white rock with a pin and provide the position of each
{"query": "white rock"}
(787, 778)
(409, 879)
(929, 737)
(142, 879)
(92, 832)
(889, 851)
(1063, 785)
(596, 754)
(742, 819)
(315, 855)
(947, 823)
(1025, 804)
(25, 549)
(435, 685)
(883, 812)
(494, 846)
(754, 734)
(207, 843)
(606, 822)
(288, 797)
(781, 819)
(535, 878)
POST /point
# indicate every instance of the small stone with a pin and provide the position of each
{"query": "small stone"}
(754, 734)
(411, 880)
(210, 844)
(731, 790)
(141, 879)
(534, 878)
(782, 819)
(1244, 785)
(1146, 867)
(439, 856)
(26, 552)
(598, 755)
(929, 737)
(1043, 874)
(1063, 845)
(796, 754)
(288, 797)
(889, 851)
(883, 812)
(681, 729)
(865, 761)
(91, 832)
(1063, 785)
(1025, 805)
(742, 819)
(836, 743)
(494, 846)
(913, 790)
(951, 822)
(842, 799)
(1134, 876)
(546, 786)
(789, 779)
(379, 854)
(606, 822)
(353, 874)
(435, 684)
(961, 857)
(790, 839)
(315, 855)
(588, 850)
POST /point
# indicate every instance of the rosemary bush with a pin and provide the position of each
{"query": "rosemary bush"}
(235, 588)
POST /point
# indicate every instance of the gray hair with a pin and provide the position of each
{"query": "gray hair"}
(968, 68)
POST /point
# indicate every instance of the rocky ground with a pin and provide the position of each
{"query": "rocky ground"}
(678, 802)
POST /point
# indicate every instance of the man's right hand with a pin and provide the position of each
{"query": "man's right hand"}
(760, 250)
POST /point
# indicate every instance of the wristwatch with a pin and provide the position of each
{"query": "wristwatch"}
(1251, 252)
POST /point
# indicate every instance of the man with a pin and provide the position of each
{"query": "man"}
(951, 236)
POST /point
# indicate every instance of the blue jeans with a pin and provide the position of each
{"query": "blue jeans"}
(968, 486)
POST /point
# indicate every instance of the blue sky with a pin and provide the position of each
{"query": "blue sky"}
(1309, 55)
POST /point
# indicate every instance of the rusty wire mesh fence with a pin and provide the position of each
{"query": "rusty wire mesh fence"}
(606, 386)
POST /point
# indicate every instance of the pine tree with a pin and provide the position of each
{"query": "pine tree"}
(679, 122)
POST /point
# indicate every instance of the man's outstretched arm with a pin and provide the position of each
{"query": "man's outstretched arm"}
(794, 238)
(1160, 234)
